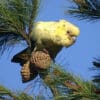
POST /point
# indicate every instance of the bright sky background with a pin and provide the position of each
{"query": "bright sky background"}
(77, 58)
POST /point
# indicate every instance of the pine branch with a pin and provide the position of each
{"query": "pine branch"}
(85, 9)
(96, 78)
(16, 17)
(35, 6)
(6, 93)
(58, 77)
(7, 40)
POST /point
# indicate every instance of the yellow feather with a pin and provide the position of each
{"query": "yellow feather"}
(59, 33)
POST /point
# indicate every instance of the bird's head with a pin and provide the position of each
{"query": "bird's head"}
(66, 33)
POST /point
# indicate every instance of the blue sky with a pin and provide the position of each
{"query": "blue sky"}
(77, 58)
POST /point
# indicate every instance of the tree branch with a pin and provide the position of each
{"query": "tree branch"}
(33, 14)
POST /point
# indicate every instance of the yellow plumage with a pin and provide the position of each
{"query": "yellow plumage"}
(54, 35)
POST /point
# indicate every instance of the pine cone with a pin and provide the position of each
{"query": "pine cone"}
(27, 73)
(40, 60)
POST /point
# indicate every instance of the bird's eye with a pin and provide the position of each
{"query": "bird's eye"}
(68, 32)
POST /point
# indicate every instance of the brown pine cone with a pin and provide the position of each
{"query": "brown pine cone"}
(27, 73)
(40, 59)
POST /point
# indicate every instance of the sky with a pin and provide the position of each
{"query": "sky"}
(76, 59)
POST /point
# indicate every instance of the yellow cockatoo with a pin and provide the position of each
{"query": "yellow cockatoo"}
(54, 35)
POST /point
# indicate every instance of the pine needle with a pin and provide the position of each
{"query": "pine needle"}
(16, 21)
(85, 9)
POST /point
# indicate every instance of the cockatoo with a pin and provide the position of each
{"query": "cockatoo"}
(51, 36)
(54, 35)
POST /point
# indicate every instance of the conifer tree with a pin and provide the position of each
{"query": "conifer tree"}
(16, 23)
(85, 9)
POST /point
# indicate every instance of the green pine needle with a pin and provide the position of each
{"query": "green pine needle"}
(16, 21)
(85, 9)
